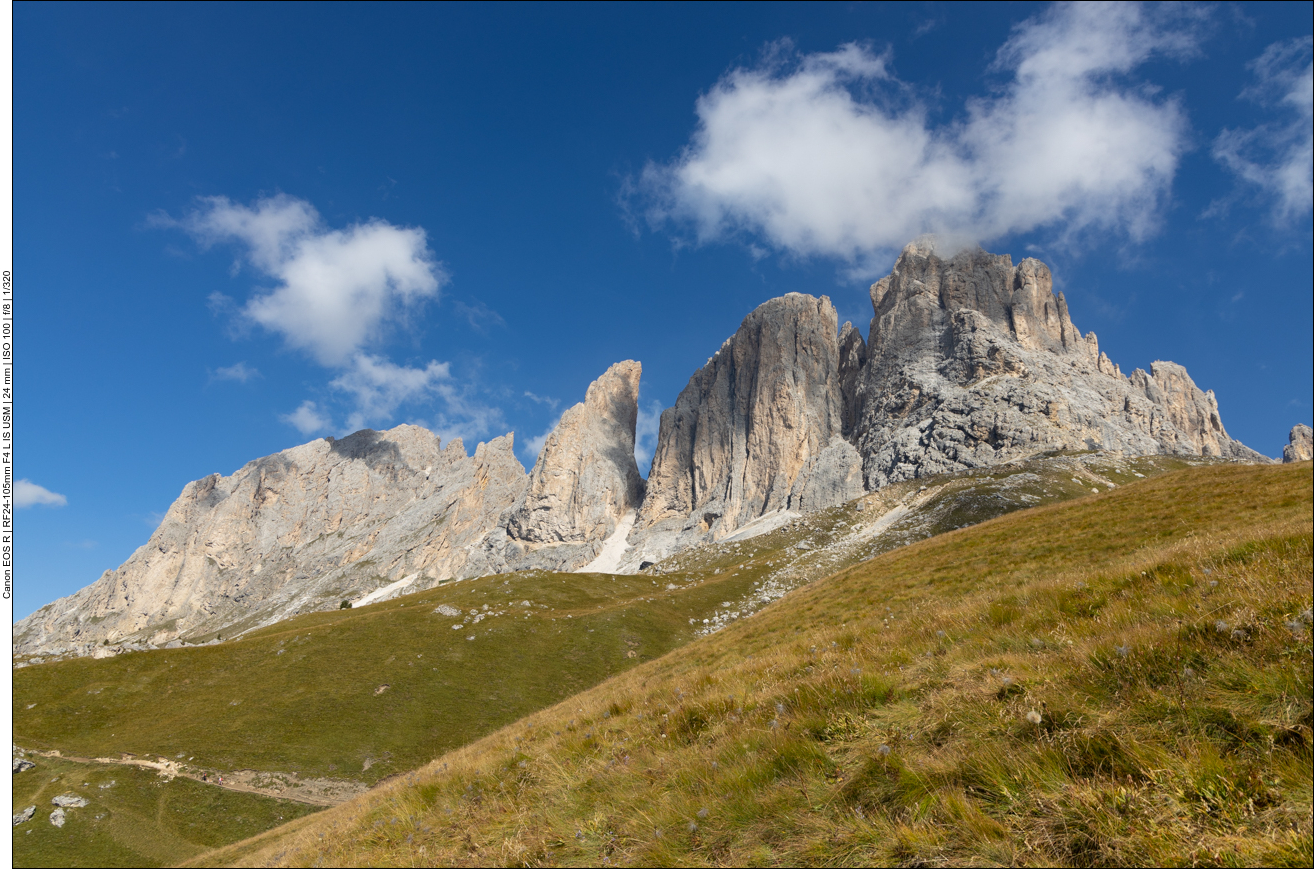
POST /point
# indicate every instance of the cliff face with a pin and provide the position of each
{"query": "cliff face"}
(586, 480)
(293, 532)
(1300, 446)
(758, 429)
(376, 513)
(971, 362)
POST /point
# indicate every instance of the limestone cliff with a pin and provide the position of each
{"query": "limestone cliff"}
(1301, 445)
(297, 531)
(763, 411)
(972, 361)
(586, 480)
(584, 486)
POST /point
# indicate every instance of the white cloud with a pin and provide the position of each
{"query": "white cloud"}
(337, 289)
(645, 435)
(241, 372)
(1278, 158)
(336, 293)
(307, 419)
(539, 399)
(831, 155)
(29, 494)
(379, 387)
(462, 414)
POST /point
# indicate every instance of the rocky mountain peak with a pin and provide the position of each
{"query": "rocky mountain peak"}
(585, 480)
(1300, 447)
(970, 362)
(761, 409)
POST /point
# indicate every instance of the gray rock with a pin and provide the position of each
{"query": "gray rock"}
(833, 477)
(762, 410)
(294, 532)
(69, 801)
(24, 816)
(1299, 449)
(57, 817)
(973, 362)
(21, 765)
(585, 480)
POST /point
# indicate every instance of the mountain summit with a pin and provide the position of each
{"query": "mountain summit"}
(971, 362)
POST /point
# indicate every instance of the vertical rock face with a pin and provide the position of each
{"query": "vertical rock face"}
(762, 411)
(1300, 449)
(973, 361)
(586, 480)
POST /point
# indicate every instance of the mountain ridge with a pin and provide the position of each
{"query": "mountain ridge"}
(972, 362)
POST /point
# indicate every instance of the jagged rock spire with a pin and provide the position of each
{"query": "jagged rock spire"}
(586, 480)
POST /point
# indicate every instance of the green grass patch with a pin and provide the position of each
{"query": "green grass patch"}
(133, 817)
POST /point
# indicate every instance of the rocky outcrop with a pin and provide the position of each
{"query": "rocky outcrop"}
(585, 486)
(294, 532)
(585, 480)
(1300, 448)
(973, 361)
(759, 414)
(758, 431)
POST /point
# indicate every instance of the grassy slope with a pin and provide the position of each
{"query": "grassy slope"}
(138, 820)
(301, 696)
(1159, 632)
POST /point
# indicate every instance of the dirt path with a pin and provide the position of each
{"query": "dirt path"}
(286, 786)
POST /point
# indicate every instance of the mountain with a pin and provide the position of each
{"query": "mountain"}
(971, 362)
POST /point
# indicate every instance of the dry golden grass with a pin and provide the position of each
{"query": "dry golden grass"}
(1124, 679)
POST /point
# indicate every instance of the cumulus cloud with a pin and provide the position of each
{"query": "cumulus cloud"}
(308, 419)
(378, 387)
(336, 289)
(645, 435)
(241, 372)
(29, 494)
(1278, 158)
(830, 154)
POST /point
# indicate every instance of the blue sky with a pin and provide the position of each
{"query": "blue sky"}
(239, 227)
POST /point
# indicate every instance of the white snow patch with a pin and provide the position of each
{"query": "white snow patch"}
(763, 525)
(609, 559)
(390, 590)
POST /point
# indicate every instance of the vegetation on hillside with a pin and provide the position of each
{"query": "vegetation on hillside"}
(133, 817)
(365, 693)
(1124, 679)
